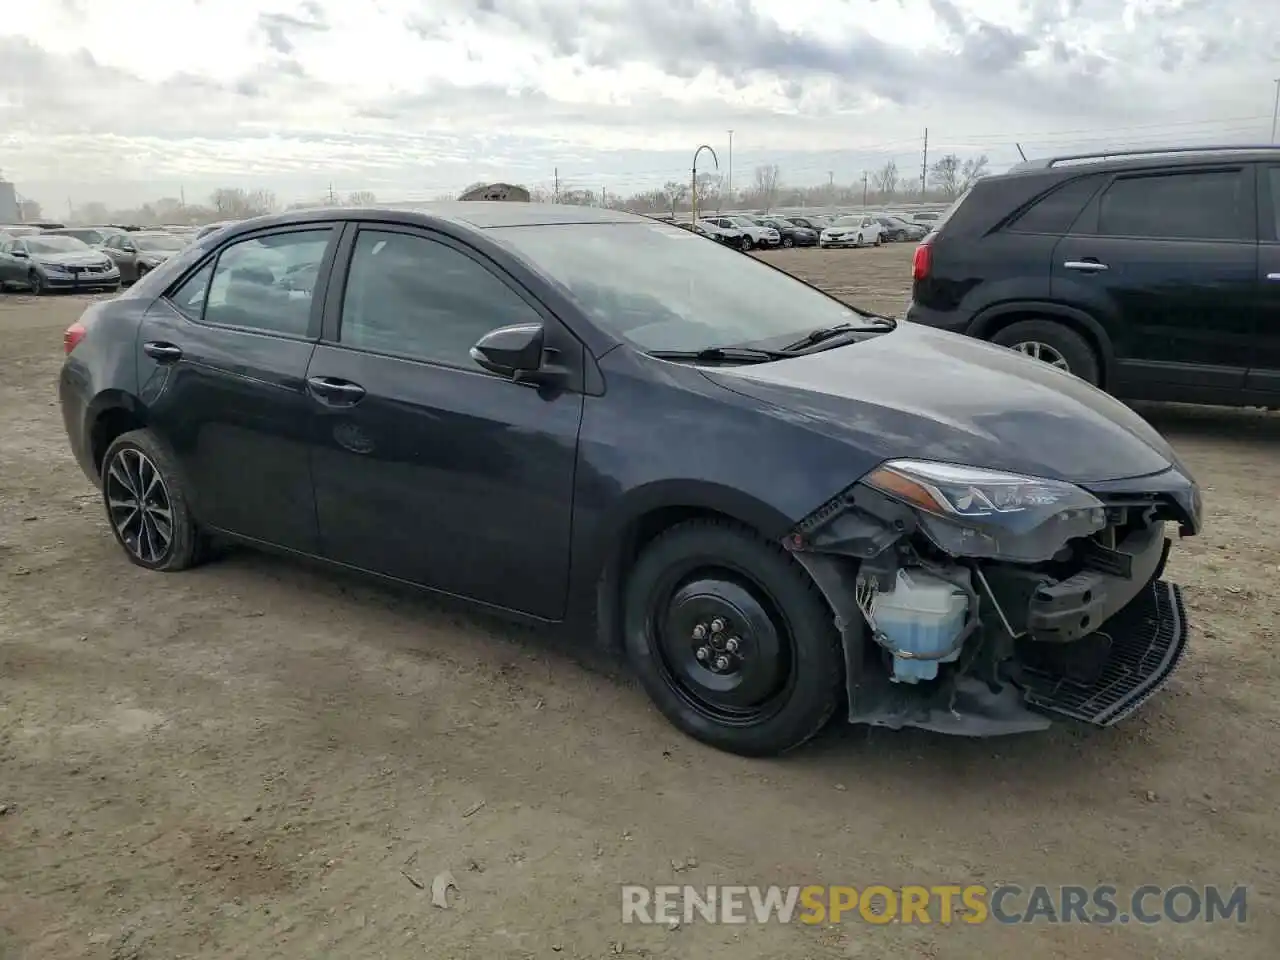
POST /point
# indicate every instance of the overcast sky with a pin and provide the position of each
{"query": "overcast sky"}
(411, 98)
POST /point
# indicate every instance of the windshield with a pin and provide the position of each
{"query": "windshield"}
(158, 241)
(741, 221)
(55, 244)
(662, 288)
(847, 222)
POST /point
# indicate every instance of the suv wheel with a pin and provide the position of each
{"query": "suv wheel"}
(1053, 343)
(731, 639)
(747, 244)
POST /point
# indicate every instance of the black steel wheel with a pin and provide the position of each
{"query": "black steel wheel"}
(731, 639)
(146, 505)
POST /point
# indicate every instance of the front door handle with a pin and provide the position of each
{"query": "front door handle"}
(164, 352)
(1085, 266)
(1273, 276)
(335, 390)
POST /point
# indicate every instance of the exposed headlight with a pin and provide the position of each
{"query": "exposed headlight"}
(974, 512)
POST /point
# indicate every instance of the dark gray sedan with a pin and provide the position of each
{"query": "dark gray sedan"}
(42, 263)
(137, 253)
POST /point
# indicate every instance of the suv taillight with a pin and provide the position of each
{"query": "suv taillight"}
(922, 262)
(72, 337)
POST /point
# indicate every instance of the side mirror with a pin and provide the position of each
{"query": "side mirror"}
(19, 254)
(516, 352)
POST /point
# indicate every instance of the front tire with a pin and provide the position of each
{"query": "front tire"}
(146, 504)
(747, 245)
(731, 639)
(36, 283)
(1054, 343)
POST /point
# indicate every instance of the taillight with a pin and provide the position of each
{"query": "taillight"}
(73, 335)
(922, 262)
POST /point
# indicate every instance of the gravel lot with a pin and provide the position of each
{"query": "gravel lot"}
(254, 759)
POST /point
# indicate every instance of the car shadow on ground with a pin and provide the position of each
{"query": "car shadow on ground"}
(1177, 420)
(891, 760)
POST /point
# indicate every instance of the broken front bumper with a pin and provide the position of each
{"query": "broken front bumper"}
(1135, 653)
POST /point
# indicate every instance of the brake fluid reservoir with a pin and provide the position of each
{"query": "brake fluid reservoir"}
(922, 615)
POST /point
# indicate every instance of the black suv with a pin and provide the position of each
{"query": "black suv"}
(1154, 274)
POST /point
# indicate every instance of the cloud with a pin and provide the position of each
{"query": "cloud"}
(412, 98)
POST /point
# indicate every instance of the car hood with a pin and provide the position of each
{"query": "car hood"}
(155, 254)
(931, 395)
(72, 258)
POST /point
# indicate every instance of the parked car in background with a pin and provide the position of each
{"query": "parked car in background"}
(729, 236)
(928, 219)
(753, 234)
(1154, 274)
(93, 236)
(853, 231)
(895, 229)
(793, 235)
(815, 223)
(18, 230)
(137, 253)
(469, 398)
(41, 263)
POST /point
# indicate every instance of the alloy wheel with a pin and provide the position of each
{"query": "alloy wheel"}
(1043, 352)
(139, 506)
(723, 647)
(36, 283)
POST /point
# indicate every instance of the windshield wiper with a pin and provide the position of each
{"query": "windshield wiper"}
(840, 329)
(722, 355)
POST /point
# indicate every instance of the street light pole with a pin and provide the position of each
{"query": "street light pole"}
(693, 192)
(730, 190)
(1275, 112)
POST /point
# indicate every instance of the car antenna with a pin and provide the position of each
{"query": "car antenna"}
(1020, 153)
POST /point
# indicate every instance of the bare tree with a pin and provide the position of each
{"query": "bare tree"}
(674, 194)
(768, 181)
(578, 197)
(973, 170)
(538, 195)
(886, 180)
(236, 204)
(710, 187)
(945, 175)
(362, 198)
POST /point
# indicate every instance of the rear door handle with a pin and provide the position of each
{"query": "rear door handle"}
(1085, 266)
(335, 390)
(164, 352)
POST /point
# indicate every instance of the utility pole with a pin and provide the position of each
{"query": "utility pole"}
(1275, 112)
(556, 195)
(71, 210)
(604, 196)
(831, 184)
(331, 197)
(924, 165)
(730, 190)
(864, 190)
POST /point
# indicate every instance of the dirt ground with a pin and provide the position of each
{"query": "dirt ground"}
(256, 760)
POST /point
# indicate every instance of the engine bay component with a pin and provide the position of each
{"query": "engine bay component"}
(920, 621)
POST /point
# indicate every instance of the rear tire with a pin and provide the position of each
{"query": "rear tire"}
(138, 468)
(1074, 350)
(786, 675)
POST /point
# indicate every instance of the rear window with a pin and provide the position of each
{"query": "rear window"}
(1057, 210)
(950, 211)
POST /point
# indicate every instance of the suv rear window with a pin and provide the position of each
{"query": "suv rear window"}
(1057, 210)
(950, 211)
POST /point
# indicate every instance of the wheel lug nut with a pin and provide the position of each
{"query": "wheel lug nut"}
(722, 662)
(699, 632)
(731, 645)
(717, 625)
(702, 653)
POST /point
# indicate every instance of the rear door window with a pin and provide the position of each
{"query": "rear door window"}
(1200, 205)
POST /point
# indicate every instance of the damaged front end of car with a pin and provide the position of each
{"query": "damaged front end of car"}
(977, 602)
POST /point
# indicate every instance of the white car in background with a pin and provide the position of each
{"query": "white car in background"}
(855, 231)
(753, 234)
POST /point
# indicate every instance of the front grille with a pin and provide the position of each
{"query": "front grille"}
(1144, 644)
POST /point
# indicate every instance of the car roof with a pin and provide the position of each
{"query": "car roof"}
(478, 214)
(1142, 159)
